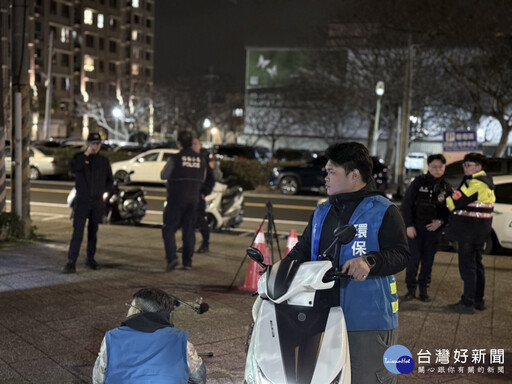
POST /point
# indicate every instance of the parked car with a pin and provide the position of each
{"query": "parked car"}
(495, 166)
(501, 235)
(290, 154)
(239, 152)
(42, 163)
(143, 168)
(311, 176)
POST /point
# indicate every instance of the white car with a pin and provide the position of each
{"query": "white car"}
(143, 168)
(42, 163)
(501, 236)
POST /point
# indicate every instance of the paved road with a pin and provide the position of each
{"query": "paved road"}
(51, 324)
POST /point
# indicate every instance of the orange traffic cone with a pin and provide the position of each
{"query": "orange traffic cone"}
(254, 270)
(290, 243)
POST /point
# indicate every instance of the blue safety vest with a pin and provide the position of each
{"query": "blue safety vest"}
(146, 357)
(371, 304)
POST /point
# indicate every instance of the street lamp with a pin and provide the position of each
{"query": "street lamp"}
(117, 113)
(379, 91)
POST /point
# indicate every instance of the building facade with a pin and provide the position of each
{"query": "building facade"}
(102, 57)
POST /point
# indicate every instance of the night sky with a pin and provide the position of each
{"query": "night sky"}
(193, 35)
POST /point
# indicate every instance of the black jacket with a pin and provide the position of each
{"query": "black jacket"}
(93, 175)
(424, 201)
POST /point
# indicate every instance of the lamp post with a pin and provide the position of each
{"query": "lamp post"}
(206, 125)
(379, 91)
(117, 113)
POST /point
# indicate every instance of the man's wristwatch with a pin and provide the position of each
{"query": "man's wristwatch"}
(370, 260)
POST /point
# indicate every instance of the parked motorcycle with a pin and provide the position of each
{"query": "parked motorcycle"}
(225, 207)
(295, 339)
(121, 205)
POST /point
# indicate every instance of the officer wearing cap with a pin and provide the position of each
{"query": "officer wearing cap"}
(93, 176)
(185, 173)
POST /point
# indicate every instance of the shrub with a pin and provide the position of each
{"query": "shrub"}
(247, 173)
(11, 227)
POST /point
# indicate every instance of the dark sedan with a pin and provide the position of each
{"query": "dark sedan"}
(311, 176)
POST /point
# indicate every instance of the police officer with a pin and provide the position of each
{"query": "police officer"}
(93, 176)
(424, 212)
(471, 205)
(185, 173)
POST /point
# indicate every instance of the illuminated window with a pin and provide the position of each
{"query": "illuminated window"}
(135, 3)
(135, 35)
(135, 69)
(64, 35)
(88, 63)
(88, 17)
(101, 21)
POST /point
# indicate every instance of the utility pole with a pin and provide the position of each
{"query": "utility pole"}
(404, 119)
(21, 117)
(49, 85)
(3, 184)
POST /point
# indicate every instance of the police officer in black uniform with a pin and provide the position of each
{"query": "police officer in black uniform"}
(185, 173)
(93, 176)
(424, 212)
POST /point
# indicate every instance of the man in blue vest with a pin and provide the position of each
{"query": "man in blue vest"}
(146, 348)
(379, 249)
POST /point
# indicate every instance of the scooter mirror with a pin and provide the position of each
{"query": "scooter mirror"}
(256, 255)
(345, 233)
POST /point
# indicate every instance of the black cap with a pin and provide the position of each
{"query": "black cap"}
(94, 137)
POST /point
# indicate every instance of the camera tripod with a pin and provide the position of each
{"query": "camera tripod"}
(270, 236)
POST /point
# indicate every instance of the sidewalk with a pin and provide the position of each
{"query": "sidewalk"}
(51, 324)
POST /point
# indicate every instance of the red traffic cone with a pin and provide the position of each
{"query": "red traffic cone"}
(254, 270)
(290, 243)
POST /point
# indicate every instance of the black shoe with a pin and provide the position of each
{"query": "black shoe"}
(203, 249)
(462, 308)
(92, 264)
(409, 296)
(171, 265)
(480, 305)
(425, 298)
(186, 267)
(69, 267)
(424, 295)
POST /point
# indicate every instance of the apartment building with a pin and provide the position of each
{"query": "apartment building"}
(102, 53)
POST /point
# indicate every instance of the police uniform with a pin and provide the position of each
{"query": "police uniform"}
(424, 202)
(472, 205)
(93, 176)
(185, 173)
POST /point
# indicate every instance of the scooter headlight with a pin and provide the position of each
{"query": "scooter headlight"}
(105, 195)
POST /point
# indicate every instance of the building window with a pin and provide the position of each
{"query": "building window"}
(64, 60)
(148, 6)
(148, 23)
(88, 17)
(112, 68)
(112, 22)
(148, 40)
(135, 35)
(64, 83)
(135, 69)
(89, 87)
(136, 52)
(113, 3)
(89, 41)
(101, 66)
(88, 63)
(148, 56)
(112, 46)
(148, 73)
(64, 35)
(101, 43)
(64, 10)
(101, 21)
(136, 19)
(53, 7)
(135, 3)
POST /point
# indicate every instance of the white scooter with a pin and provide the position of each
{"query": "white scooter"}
(224, 207)
(295, 339)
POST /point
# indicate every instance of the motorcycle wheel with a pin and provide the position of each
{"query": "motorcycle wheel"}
(212, 222)
(136, 220)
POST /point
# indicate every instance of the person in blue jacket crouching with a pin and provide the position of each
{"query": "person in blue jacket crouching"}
(146, 348)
